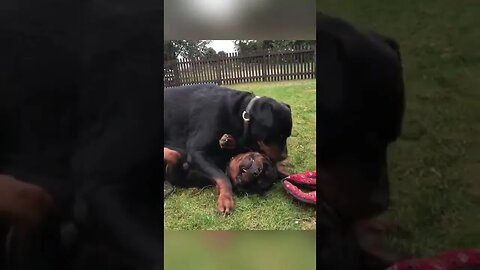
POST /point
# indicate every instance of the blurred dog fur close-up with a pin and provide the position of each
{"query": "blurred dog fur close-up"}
(360, 106)
(78, 164)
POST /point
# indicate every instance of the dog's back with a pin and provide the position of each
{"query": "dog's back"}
(190, 109)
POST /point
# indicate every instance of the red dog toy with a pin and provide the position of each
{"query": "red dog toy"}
(307, 180)
(449, 260)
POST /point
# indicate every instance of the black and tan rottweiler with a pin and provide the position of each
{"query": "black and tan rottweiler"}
(195, 117)
(249, 172)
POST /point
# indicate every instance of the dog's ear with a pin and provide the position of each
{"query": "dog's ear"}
(263, 118)
(394, 45)
(398, 96)
(393, 103)
(330, 92)
(288, 106)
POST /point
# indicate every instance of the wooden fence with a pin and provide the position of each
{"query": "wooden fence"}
(234, 68)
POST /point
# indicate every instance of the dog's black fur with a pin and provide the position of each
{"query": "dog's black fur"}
(360, 105)
(360, 110)
(80, 102)
(195, 117)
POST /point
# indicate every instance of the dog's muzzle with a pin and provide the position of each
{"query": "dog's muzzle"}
(252, 168)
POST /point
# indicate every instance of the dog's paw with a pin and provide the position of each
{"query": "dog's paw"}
(227, 142)
(225, 204)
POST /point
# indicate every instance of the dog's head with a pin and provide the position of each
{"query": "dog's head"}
(360, 105)
(252, 173)
(270, 126)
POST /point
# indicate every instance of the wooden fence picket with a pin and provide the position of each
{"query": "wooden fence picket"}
(234, 68)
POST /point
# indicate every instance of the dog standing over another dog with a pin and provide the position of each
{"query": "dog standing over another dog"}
(195, 117)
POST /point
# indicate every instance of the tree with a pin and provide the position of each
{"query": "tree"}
(169, 51)
(248, 46)
(187, 49)
(209, 52)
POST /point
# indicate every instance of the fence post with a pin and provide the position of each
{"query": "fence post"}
(264, 68)
(176, 75)
(218, 67)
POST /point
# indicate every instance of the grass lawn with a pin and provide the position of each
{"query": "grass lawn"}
(215, 250)
(196, 209)
(435, 165)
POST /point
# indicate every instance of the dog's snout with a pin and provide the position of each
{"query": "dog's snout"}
(257, 172)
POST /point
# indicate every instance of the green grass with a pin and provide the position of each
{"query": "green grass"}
(196, 209)
(240, 250)
(435, 165)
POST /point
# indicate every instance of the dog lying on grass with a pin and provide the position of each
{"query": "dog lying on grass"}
(249, 172)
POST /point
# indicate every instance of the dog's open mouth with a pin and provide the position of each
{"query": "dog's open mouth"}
(251, 172)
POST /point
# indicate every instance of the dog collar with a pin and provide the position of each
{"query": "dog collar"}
(246, 119)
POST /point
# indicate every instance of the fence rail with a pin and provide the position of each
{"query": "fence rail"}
(236, 68)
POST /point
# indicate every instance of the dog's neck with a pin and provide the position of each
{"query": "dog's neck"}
(246, 118)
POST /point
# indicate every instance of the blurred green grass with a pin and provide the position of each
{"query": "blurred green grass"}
(435, 165)
(196, 209)
(240, 250)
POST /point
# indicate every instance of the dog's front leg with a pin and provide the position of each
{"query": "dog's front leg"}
(224, 187)
(170, 158)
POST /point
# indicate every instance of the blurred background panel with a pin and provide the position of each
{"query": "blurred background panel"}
(435, 165)
(214, 250)
(239, 19)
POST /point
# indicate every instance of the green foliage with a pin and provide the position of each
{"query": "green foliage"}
(189, 49)
(249, 46)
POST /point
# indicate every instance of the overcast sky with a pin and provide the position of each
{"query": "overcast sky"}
(222, 45)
